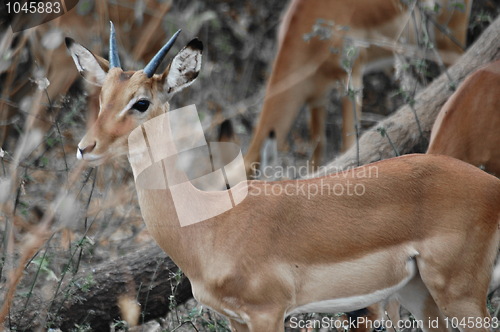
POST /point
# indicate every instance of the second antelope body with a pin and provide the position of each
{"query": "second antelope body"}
(425, 230)
(304, 72)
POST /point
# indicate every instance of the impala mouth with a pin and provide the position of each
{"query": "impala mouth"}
(89, 156)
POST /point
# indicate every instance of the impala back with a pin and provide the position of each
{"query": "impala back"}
(468, 125)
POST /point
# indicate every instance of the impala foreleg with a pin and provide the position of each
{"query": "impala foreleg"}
(416, 297)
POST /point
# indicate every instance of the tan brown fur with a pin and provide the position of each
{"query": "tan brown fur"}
(412, 205)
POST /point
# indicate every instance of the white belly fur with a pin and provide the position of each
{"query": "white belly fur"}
(359, 301)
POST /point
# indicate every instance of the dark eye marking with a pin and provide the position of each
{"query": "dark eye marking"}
(141, 105)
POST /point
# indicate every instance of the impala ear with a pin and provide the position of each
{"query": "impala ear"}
(184, 68)
(92, 67)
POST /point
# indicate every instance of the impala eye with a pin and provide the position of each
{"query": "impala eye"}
(142, 105)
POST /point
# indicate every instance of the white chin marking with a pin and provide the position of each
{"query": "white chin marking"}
(79, 154)
(90, 156)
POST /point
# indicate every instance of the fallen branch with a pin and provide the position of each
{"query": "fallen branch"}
(146, 275)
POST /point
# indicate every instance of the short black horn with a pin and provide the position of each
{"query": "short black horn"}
(114, 60)
(152, 66)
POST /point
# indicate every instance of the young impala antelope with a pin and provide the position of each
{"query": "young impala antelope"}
(304, 72)
(429, 224)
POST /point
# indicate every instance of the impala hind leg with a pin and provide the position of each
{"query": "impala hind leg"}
(460, 287)
(318, 134)
(351, 109)
(392, 308)
(467, 313)
(462, 301)
(271, 119)
(417, 299)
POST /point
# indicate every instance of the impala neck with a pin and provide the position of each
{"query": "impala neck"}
(169, 202)
(158, 211)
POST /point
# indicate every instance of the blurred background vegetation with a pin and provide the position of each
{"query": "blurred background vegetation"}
(59, 220)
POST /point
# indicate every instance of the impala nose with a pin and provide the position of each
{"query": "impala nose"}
(83, 150)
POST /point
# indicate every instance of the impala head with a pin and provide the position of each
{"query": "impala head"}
(129, 98)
